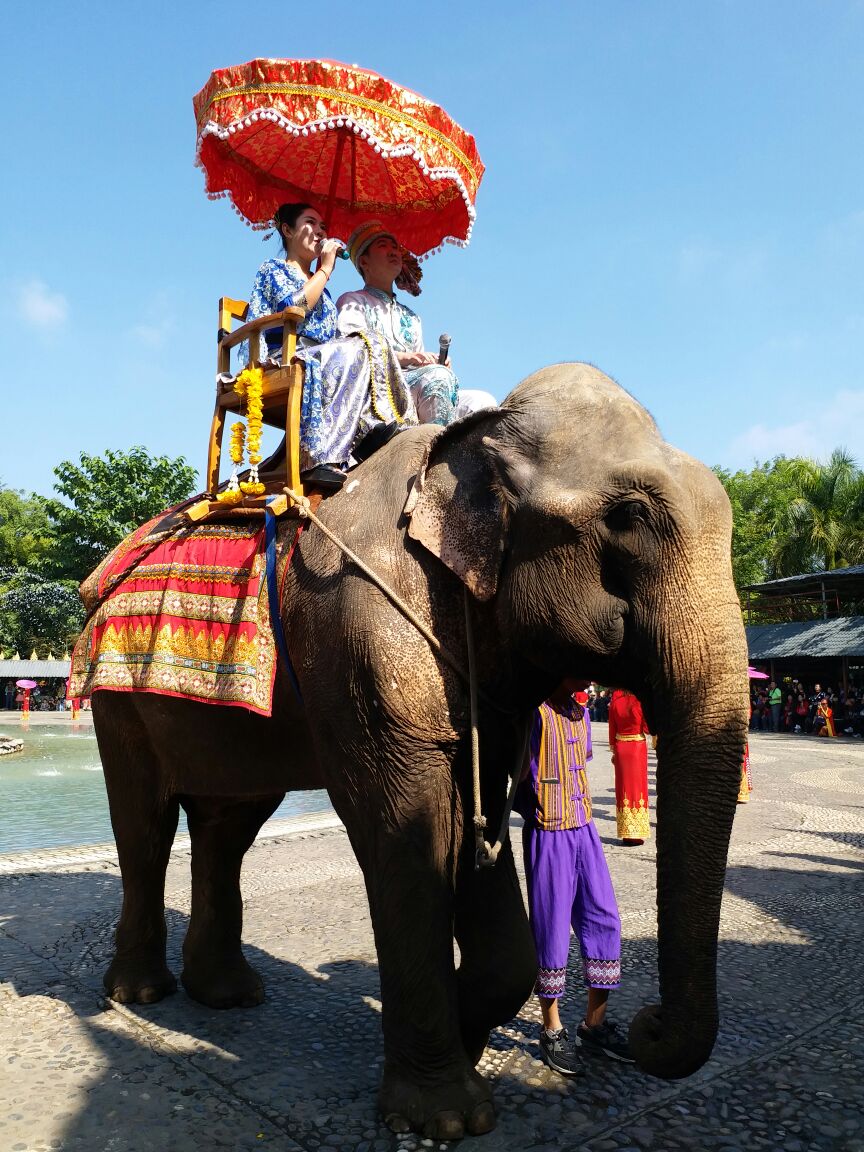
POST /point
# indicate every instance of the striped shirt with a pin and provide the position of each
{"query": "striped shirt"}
(555, 793)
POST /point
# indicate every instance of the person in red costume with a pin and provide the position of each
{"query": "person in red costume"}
(745, 785)
(627, 732)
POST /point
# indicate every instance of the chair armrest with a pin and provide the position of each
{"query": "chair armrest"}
(290, 316)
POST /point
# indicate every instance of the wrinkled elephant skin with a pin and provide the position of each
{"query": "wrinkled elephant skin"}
(591, 549)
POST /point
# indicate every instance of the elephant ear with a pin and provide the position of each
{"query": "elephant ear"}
(457, 507)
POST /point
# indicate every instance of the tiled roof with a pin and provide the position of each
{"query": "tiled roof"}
(843, 636)
(33, 669)
(834, 576)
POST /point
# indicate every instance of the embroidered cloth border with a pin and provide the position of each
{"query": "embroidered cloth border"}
(191, 619)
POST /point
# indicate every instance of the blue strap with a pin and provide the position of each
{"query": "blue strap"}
(273, 597)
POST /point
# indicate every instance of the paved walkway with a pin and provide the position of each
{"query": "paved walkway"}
(77, 1072)
(12, 721)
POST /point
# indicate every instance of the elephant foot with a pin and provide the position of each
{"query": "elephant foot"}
(443, 1111)
(232, 984)
(131, 980)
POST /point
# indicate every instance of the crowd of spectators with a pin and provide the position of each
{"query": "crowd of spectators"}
(792, 706)
(598, 703)
(787, 706)
(48, 696)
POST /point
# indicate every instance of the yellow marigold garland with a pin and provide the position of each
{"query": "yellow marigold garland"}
(232, 494)
(249, 386)
(238, 436)
(253, 381)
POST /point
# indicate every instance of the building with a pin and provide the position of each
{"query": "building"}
(811, 627)
(51, 675)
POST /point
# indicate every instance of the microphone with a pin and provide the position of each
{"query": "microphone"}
(443, 348)
(341, 253)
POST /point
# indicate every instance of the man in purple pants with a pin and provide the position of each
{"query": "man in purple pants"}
(568, 882)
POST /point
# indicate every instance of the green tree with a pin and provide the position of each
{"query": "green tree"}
(822, 527)
(106, 498)
(792, 516)
(37, 613)
(26, 532)
(758, 498)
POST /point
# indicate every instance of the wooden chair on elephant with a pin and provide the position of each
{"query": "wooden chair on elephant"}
(282, 393)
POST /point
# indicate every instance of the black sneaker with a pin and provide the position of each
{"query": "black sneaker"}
(605, 1038)
(380, 435)
(561, 1053)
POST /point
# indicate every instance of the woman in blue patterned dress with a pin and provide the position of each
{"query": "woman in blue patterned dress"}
(354, 396)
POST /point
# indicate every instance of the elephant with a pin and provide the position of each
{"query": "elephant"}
(590, 549)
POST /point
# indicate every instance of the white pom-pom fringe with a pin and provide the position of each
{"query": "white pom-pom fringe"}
(395, 152)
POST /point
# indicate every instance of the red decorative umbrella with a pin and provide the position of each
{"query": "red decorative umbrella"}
(28, 684)
(754, 675)
(352, 143)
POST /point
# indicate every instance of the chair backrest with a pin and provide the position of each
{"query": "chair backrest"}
(229, 312)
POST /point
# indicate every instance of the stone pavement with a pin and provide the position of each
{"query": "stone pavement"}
(300, 1072)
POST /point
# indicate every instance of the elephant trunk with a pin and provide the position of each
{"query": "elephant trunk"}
(699, 754)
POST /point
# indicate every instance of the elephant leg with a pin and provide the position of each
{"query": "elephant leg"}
(429, 1083)
(215, 971)
(498, 959)
(144, 822)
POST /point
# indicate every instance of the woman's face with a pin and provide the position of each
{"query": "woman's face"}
(305, 238)
(382, 261)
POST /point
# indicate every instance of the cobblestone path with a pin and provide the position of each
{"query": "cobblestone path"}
(301, 1072)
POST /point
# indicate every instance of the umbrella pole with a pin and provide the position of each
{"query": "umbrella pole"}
(334, 177)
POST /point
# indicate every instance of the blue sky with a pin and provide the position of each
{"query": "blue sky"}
(674, 191)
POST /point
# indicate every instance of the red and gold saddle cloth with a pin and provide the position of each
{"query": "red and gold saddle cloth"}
(182, 611)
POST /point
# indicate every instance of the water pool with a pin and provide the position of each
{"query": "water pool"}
(52, 794)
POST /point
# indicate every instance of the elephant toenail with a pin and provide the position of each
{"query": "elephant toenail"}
(445, 1126)
(397, 1123)
(482, 1119)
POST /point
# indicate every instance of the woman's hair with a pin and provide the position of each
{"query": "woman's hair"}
(288, 214)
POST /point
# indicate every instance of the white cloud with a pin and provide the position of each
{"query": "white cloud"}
(833, 422)
(40, 307)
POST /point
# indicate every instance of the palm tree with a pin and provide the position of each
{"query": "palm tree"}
(822, 527)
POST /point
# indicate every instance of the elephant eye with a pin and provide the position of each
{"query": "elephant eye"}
(627, 515)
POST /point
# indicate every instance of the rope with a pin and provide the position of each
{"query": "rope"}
(305, 510)
(485, 854)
